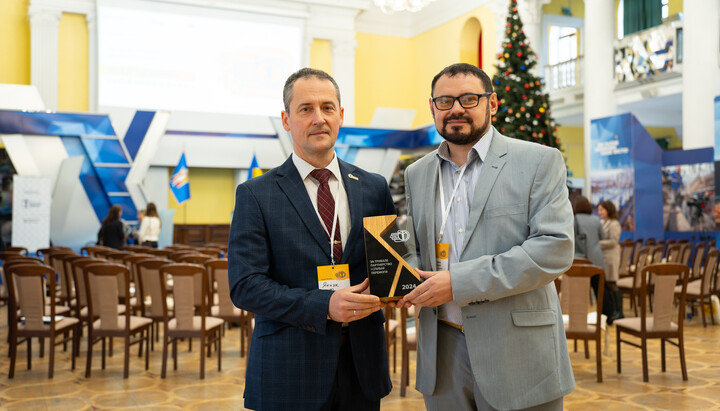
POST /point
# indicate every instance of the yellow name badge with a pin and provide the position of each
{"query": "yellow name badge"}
(442, 256)
(333, 277)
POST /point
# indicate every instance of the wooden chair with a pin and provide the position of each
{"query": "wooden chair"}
(21, 250)
(101, 286)
(178, 254)
(626, 249)
(211, 251)
(159, 253)
(217, 270)
(685, 252)
(575, 302)
(135, 248)
(150, 284)
(45, 253)
(656, 255)
(186, 324)
(64, 292)
(697, 261)
(408, 338)
(581, 261)
(699, 291)
(96, 250)
(29, 316)
(660, 325)
(673, 253)
(631, 285)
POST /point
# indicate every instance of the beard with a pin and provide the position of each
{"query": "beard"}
(453, 134)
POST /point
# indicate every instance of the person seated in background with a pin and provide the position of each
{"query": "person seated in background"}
(150, 227)
(112, 230)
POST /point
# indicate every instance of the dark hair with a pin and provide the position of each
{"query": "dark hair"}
(112, 215)
(609, 206)
(151, 210)
(582, 205)
(466, 69)
(306, 72)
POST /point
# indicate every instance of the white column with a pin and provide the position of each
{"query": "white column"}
(701, 76)
(599, 84)
(343, 63)
(44, 24)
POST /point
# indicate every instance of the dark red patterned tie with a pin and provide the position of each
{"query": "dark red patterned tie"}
(326, 209)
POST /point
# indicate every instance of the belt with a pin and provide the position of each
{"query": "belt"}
(453, 325)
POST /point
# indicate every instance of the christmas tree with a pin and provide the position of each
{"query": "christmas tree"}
(524, 111)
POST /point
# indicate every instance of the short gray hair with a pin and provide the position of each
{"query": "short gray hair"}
(306, 72)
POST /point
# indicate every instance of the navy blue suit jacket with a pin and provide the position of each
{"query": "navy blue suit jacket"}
(276, 243)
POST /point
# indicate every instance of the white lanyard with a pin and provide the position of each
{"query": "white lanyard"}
(335, 219)
(446, 209)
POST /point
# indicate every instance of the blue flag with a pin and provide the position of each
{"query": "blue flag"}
(254, 169)
(180, 181)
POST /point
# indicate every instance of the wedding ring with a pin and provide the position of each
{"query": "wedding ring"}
(354, 312)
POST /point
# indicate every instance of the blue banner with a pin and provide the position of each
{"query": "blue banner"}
(180, 181)
(55, 124)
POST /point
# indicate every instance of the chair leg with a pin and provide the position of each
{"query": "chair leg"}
(110, 351)
(51, 358)
(163, 372)
(683, 366)
(662, 354)
(202, 356)
(587, 353)
(219, 351)
(126, 365)
(103, 351)
(702, 312)
(403, 371)
(13, 353)
(140, 344)
(88, 361)
(643, 346)
(598, 357)
(175, 354)
(617, 338)
(42, 347)
(75, 344)
(147, 347)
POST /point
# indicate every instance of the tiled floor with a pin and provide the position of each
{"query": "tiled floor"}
(31, 390)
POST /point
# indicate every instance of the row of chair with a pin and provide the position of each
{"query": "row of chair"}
(666, 283)
(144, 272)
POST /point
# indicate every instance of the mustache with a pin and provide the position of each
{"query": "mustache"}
(457, 117)
(324, 129)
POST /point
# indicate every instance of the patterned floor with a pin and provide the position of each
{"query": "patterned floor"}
(69, 390)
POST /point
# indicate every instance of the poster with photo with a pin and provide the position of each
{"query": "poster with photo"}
(688, 197)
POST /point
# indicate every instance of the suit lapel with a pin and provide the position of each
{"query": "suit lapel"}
(355, 197)
(292, 185)
(428, 207)
(492, 165)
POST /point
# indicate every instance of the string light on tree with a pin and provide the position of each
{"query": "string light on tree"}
(525, 108)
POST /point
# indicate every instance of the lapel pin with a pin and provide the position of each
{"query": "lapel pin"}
(353, 177)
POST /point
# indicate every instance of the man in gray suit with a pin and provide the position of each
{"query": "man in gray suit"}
(495, 226)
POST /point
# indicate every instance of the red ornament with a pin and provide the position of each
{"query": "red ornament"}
(507, 88)
(534, 135)
(507, 73)
(524, 97)
(502, 129)
(510, 111)
(522, 109)
(515, 9)
(527, 86)
(507, 31)
(519, 54)
(500, 55)
(510, 70)
(508, 24)
(537, 82)
(542, 131)
(522, 128)
(509, 45)
(494, 119)
(537, 115)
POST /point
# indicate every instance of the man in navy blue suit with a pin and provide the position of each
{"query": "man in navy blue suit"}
(318, 342)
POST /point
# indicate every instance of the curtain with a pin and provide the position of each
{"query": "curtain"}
(640, 15)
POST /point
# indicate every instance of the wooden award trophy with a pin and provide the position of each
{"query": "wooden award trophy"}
(389, 244)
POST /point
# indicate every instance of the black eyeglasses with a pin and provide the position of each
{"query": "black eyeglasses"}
(468, 100)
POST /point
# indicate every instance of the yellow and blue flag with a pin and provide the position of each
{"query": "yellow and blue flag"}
(254, 170)
(180, 181)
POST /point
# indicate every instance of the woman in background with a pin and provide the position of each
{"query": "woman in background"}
(588, 233)
(150, 227)
(611, 252)
(112, 230)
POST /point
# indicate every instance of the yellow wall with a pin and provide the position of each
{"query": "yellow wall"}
(577, 7)
(396, 72)
(73, 63)
(321, 55)
(573, 147)
(675, 7)
(14, 42)
(212, 197)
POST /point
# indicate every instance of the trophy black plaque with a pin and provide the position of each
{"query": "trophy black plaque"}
(389, 245)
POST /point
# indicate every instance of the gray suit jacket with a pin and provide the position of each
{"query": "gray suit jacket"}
(519, 239)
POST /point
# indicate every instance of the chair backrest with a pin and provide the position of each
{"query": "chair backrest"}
(672, 255)
(5, 254)
(211, 251)
(26, 292)
(161, 253)
(626, 250)
(709, 271)
(218, 273)
(575, 297)
(176, 255)
(578, 260)
(79, 278)
(101, 287)
(657, 253)
(698, 259)
(96, 250)
(664, 277)
(67, 283)
(150, 284)
(21, 250)
(644, 258)
(685, 253)
(130, 260)
(184, 284)
(56, 262)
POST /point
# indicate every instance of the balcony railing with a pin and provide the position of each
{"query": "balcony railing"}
(564, 75)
